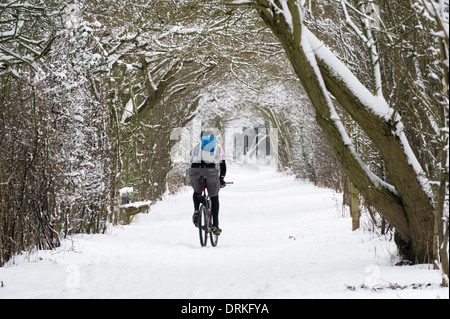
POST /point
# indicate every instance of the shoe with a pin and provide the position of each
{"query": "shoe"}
(216, 230)
(195, 218)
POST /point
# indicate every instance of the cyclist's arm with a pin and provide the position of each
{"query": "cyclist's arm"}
(223, 169)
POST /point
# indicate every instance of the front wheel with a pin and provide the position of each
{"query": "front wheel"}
(202, 229)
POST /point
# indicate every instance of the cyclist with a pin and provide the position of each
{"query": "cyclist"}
(208, 159)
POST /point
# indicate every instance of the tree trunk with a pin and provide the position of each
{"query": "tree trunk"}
(405, 204)
(354, 206)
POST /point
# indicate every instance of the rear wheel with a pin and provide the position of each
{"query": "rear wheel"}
(202, 229)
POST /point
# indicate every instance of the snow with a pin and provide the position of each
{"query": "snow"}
(287, 15)
(282, 238)
(125, 190)
(128, 110)
(241, 2)
(137, 204)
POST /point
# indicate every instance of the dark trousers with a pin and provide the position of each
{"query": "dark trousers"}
(213, 186)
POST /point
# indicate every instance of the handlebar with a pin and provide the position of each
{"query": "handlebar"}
(225, 184)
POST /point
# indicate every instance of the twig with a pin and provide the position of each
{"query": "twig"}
(9, 179)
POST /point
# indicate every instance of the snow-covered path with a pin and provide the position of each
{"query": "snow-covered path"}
(282, 238)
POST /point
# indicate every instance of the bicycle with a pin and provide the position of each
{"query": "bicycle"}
(205, 222)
